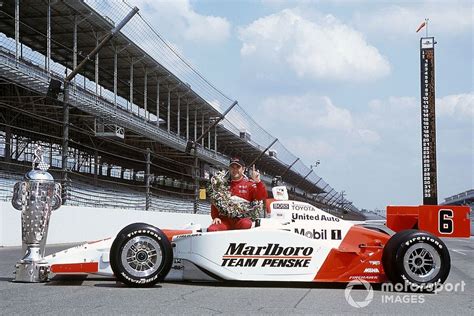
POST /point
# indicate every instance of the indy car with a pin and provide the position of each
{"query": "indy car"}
(294, 242)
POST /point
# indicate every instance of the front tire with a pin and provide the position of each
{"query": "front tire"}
(416, 258)
(141, 255)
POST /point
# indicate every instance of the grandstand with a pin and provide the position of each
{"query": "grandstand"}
(119, 136)
(464, 198)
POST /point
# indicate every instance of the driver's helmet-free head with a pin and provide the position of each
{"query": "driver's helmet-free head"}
(238, 161)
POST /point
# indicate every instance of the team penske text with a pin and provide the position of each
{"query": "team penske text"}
(271, 255)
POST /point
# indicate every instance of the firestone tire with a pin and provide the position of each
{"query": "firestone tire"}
(389, 252)
(141, 255)
(417, 259)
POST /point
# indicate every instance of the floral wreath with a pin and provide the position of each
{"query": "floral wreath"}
(219, 193)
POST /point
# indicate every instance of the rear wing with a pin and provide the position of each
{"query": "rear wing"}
(440, 220)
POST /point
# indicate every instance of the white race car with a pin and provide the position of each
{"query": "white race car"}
(297, 242)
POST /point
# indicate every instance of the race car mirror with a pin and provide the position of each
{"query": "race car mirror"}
(280, 193)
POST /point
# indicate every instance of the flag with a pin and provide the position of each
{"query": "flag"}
(422, 25)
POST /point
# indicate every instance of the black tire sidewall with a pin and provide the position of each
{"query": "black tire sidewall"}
(415, 237)
(389, 255)
(132, 231)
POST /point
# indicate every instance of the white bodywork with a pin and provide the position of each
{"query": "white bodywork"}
(291, 245)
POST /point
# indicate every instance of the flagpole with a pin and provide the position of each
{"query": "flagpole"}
(426, 24)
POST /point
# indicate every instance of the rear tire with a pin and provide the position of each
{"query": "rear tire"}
(417, 259)
(141, 255)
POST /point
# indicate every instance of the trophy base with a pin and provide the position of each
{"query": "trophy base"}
(31, 272)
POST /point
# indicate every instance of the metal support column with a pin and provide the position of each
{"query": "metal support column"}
(299, 182)
(317, 181)
(157, 102)
(318, 196)
(196, 181)
(65, 144)
(17, 31)
(96, 69)
(168, 120)
(48, 38)
(215, 139)
(145, 94)
(202, 129)
(263, 152)
(209, 135)
(96, 166)
(8, 139)
(178, 128)
(74, 51)
(330, 198)
(187, 120)
(195, 123)
(330, 201)
(190, 145)
(51, 154)
(338, 201)
(328, 192)
(131, 86)
(147, 180)
(289, 168)
(115, 76)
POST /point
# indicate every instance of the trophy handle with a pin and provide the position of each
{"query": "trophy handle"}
(56, 200)
(18, 191)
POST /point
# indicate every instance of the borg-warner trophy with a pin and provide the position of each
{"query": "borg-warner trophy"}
(36, 197)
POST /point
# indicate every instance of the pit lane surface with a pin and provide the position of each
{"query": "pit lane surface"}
(106, 297)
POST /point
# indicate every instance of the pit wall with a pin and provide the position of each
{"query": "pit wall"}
(71, 224)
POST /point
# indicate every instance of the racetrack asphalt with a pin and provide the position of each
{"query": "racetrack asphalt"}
(106, 297)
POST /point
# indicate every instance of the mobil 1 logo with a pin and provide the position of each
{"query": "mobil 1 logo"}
(321, 234)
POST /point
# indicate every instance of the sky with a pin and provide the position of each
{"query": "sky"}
(338, 81)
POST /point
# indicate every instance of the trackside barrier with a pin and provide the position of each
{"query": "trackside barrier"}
(72, 224)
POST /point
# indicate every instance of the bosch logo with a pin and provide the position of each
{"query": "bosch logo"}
(281, 206)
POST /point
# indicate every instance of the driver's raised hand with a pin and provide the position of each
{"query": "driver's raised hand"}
(216, 221)
(255, 174)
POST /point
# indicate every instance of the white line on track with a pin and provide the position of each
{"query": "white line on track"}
(458, 251)
(469, 240)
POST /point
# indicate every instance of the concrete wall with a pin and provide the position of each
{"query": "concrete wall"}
(76, 224)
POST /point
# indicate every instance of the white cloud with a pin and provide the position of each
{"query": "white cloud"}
(320, 48)
(310, 147)
(320, 125)
(368, 136)
(459, 105)
(450, 17)
(308, 111)
(178, 18)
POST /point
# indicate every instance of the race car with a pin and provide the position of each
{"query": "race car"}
(295, 242)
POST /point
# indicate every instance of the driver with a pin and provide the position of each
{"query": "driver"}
(241, 186)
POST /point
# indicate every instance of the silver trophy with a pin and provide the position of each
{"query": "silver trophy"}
(36, 197)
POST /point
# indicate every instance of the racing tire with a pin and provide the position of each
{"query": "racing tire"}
(141, 255)
(416, 259)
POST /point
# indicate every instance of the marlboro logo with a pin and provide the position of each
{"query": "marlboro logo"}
(269, 255)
